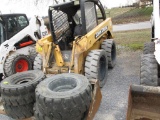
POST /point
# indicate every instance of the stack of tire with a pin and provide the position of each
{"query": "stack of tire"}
(18, 93)
(63, 97)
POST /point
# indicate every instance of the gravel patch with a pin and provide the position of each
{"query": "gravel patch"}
(115, 92)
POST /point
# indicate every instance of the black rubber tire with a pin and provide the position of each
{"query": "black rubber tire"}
(19, 89)
(38, 115)
(152, 32)
(158, 74)
(96, 66)
(10, 63)
(1, 77)
(64, 97)
(149, 48)
(110, 47)
(38, 63)
(33, 55)
(20, 111)
(149, 70)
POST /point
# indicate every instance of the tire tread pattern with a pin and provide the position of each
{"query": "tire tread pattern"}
(149, 70)
(20, 95)
(149, 48)
(67, 107)
(8, 68)
(38, 62)
(107, 46)
(20, 111)
(64, 109)
(91, 65)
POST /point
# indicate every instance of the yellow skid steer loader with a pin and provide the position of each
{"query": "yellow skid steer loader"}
(81, 42)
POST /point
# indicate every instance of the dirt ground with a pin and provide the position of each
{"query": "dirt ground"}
(115, 91)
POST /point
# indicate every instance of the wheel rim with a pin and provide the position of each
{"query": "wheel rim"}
(21, 65)
(102, 68)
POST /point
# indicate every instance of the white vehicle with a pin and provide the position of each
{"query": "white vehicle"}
(151, 54)
(144, 99)
(18, 36)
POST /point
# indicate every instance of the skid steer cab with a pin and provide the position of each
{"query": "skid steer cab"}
(18, 36)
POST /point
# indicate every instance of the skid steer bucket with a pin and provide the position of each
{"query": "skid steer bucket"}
(96, 100)
(143, 103)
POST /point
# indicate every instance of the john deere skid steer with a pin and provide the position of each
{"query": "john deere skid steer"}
(81, 42)
(78, 43)
(144, 99)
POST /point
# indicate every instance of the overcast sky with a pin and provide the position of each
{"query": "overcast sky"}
(30, 7)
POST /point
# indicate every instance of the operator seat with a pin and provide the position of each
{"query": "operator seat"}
(78, 27)
(78, 30)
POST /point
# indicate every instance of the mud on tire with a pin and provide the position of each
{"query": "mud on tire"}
(64, 96)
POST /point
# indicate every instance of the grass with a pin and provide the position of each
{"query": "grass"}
(117, 11)
(133, 40)
(128, 15)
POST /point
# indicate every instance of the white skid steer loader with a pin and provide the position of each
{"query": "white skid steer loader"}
(144, 99)
(18, 36)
